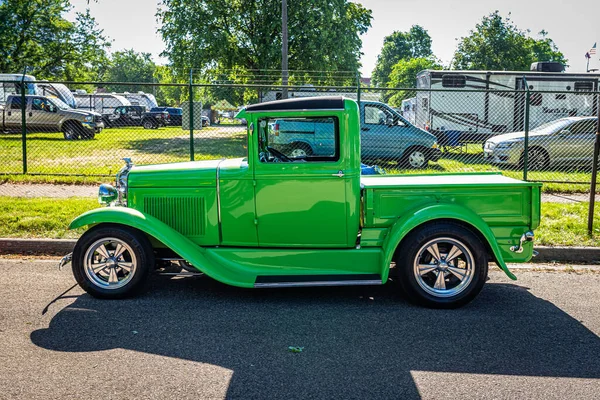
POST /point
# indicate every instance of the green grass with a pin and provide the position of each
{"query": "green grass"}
(50, 154)
(562, 224)
(51, 159)
(41, 217)
(566, 225)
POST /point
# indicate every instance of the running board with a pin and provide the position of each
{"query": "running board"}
(272, 281)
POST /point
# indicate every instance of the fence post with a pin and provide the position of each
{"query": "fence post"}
(24, 122)
(191, 114)
(358, 87)
(526, 144)
(594, 175)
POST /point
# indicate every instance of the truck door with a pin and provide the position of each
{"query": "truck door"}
(42, 115)
(12, 115)
(300, 199)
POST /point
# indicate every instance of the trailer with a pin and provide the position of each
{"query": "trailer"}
(140, 99)
(103, 103)
(472, 106)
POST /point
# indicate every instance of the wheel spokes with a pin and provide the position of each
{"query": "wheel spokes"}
(453, 253)
(98, 267)
(434, 251)
(119, 249)
(103, 251)
(125, 266)
(458, 272)
(112, 276)
(440, 282)
(426, 268)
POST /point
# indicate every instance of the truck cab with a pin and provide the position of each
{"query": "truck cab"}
(385, 136)
(277, 218)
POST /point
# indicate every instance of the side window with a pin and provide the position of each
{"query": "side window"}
(308, 139)
(40, 104)
(588, 126)
(15, 103)
(375, 115)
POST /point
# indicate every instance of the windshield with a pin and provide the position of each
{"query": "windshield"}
(60, 104)
(553, 126)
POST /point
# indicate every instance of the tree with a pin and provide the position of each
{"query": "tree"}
(497, 44)
(130, 66)
(404, 75)
(34, 34)
(416, 43)
(219, 36)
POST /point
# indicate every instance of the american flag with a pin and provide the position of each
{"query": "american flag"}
(593, 50)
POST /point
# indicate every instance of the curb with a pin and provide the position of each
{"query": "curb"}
(546, 254)
(36, 246)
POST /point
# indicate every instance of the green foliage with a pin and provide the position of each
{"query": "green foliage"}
(217, 37)
(497, 44)
(130, 66)
(404, 75)
(416, 43)
(35, 34)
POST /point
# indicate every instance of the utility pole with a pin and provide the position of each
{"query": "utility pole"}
(284, 50)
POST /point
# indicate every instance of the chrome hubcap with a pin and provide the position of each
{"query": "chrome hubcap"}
(298, 153)
(416, 159)
(110, 263)
(444, 267)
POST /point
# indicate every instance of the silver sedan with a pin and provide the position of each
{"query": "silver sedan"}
(565, 141)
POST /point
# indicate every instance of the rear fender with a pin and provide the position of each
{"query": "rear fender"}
(217, 268)
(419, 216)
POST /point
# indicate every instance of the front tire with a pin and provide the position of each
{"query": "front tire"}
(442, 265)
(415, 157)
(112, 262)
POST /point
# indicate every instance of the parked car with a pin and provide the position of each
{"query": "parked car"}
(205, 121)
(275, 220)
(563, 141)
(136, 116)
(175, 114)
(385, 134)
(50, 114)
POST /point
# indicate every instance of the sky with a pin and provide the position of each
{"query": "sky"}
(573, 25)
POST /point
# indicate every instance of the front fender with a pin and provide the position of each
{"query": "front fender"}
(216, 267)
(419, 216)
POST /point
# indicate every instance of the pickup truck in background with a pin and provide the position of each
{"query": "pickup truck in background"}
(136, 116)
(276, 219)
(50, 114)
(385, 135)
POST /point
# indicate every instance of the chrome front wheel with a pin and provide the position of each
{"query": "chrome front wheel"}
(112, 261)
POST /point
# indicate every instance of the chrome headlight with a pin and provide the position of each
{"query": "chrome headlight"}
(107, 194)
(122, 181)
(88, 118)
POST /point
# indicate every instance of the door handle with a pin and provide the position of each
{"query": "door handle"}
(30, 113)
(340, 174)
(365, 129)
(9, 113)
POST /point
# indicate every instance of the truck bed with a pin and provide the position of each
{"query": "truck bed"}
(399, 181)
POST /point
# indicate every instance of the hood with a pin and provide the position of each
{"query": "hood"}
(184, 174)
(514, 136)
(81, 112)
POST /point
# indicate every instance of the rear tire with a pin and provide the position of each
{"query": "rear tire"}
(300, 150)
(112, 261)
(441, 265)
(148, 124)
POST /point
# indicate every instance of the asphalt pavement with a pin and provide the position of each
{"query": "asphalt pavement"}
(536, 338)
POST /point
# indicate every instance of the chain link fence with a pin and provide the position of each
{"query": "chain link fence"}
(86, 128)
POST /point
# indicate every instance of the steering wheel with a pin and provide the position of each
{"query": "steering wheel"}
(279, 155)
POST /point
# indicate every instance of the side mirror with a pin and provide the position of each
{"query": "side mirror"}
(389, 121)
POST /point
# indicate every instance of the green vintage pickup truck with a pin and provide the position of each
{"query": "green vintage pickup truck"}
(279, 220)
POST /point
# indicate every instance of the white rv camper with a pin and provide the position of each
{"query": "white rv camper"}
(59, 90)
(408, 109)
(11, 84)
(103, 103)
(484, 103)
(140, 99)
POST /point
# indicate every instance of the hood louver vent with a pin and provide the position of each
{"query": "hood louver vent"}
(184, 214)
